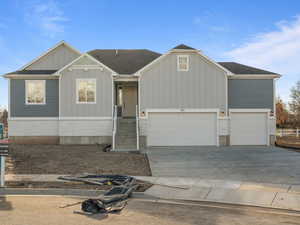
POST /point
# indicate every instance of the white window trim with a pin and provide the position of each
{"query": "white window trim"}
(26, 97)
(77, 86)
(187, 61)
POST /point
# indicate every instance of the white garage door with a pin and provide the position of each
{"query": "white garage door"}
(182, 128)
(249, 128)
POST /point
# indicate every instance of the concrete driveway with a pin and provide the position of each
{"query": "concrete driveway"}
(253, 164)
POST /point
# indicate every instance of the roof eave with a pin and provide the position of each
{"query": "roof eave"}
(184, 50)
(254, 76)
(30, 76)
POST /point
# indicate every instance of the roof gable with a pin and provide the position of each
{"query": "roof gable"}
(124, 61)
(86, 60)
(54, 58)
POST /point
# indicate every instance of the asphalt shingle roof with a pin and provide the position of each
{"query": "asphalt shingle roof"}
(238, 68)
(129, 61)
(33, 72)
(124, 61)
(183, 46)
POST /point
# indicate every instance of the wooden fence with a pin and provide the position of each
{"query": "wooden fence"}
(288, 132)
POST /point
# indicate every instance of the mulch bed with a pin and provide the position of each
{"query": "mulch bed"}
(289, 142)
(74, 159)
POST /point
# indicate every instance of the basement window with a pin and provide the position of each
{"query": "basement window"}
(86, 91)
(183, 63)
(35, 92)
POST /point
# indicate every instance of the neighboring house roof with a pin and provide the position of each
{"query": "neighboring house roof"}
(124, 61)
(241, 69)
(32, 72)
(185, 47)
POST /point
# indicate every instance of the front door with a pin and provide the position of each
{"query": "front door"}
(129, 101)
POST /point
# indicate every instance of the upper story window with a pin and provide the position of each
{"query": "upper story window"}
(35, 92)
(86, 91)
(183, 63)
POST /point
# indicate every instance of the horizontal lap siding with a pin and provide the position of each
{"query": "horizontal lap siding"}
(203, 86)
(33, 127)
(85, 128)
(250, 94)
(20, 109)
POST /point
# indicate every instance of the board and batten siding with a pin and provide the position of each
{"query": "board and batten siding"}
(55, 59)
(19, 108)
(250, 93)
(203, 86)
(68, 103)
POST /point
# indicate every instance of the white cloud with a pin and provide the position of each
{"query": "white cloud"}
(47, 16)
(206, 20)
(278, 51)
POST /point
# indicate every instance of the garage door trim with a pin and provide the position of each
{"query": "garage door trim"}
(173, 110)
(266, 111)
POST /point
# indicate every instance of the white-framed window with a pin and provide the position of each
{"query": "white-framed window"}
(183, 63)
(86, 91)
(35, 92)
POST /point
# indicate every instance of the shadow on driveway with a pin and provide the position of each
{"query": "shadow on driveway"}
(4, 204)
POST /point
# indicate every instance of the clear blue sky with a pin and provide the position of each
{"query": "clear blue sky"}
(259, 33)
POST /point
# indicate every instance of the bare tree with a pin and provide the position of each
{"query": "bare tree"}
(282, 114)
(3, 117)
(295, 103)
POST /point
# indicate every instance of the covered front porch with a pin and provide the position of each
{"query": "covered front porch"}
(126, 116)
(126, 98)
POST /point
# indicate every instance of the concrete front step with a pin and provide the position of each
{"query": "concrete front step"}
(127, 122)
(126, 143)
(126, 150)
(126, 131)
(126, 135)
(124, 128)
(119, 147)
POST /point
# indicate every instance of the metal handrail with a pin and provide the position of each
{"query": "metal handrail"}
(137, 128)
(115, 117)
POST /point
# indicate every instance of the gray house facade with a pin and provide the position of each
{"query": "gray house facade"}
(138, 98)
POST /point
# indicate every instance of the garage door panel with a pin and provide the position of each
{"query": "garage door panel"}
(182, 129)
(248, 128)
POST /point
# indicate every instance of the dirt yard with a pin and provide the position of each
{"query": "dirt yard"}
(289, 142)
(77, 159)
(142, 186)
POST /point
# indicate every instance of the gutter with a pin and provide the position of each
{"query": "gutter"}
(31, 76)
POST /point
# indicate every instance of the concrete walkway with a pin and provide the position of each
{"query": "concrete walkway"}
(281, 196)
(245, 163)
